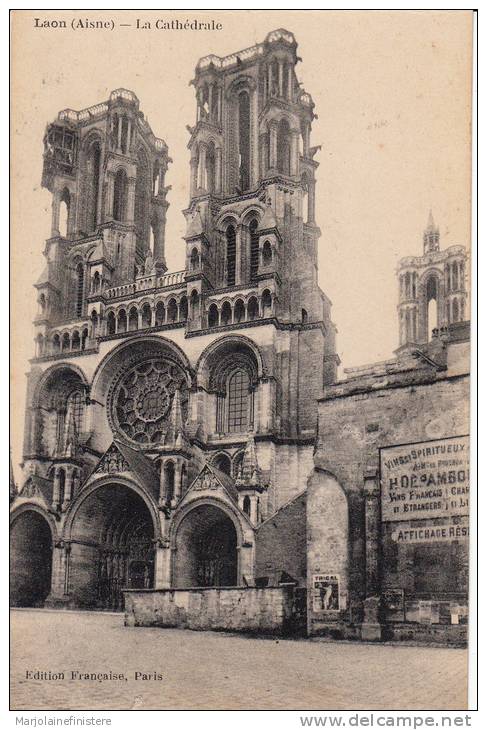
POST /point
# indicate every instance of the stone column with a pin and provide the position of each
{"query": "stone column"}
(119, 134)
(273, 125)
(269, 79)
(246, 559)
(254, 138)
(210, 101)
(194, 176)
(129, 132)
(162, 567)
(110, 193)
(130, 200)
(239, 236)
(263, 154)
(56, 493)
(220, 98)
(218, 169)
(68, 487)
(280, 76)
(311, 201)
(162, 484)
(294, 152)
(290, 82)
(306, 133)
(56, 203)
(253, 509)
(60, 574)
(177, 482)
(371, 628)
(202, 166)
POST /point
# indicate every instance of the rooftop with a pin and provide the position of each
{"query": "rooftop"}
(247, 54)
(123, 96)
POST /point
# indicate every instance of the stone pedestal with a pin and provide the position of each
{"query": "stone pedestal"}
(371, 629)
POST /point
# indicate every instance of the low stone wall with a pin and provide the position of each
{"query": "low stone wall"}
(258, 610)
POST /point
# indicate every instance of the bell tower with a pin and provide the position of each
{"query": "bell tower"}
(432, 289)
(105, 170)
(251, 214)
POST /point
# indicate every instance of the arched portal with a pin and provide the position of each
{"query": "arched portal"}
(30, 559)
(112, 547)
(206, 549)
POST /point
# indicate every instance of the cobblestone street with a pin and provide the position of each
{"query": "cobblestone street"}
(219, 671)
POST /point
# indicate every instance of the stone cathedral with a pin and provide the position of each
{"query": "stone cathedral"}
(170, 414)
(171, 442)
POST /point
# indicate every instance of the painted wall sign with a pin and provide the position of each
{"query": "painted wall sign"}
(435, 533)
(326, 593)
(425, 480)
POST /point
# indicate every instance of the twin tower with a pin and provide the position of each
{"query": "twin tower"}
(251, 224)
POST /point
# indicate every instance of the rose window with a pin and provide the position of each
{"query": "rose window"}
(143, 398)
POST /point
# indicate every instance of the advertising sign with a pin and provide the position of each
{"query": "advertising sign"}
(326, 593)
(425, 480)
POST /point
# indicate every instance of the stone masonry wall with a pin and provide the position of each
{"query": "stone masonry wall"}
(357, 418)
(266, 610)
(280, 543)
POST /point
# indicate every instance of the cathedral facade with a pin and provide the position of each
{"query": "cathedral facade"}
(187, 443)
(170, 415)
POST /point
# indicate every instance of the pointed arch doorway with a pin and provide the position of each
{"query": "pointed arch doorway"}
(206, 549)
(30, 559)
(112, 547)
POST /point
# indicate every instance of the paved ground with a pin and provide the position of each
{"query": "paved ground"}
(203, 670)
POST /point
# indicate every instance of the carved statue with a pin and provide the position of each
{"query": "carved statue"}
(149, 263)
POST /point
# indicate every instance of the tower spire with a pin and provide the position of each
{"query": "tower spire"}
(431, 235)
(175, 431)
(249, 474)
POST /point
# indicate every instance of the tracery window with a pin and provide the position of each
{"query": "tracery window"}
(233, 378)
(254, 248)
(195, 260)
(284, 147)
(64, 208)
(93, 167)
(238, 401)
(141, 402)
(119, 195)
(244, 139)
(76, 402)
(111, 323)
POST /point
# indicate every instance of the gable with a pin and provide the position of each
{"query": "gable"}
(212, 481)
(112, 462)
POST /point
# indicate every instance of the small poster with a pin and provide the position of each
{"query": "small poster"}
(326, 593)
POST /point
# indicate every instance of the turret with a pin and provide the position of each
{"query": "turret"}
(432, 289)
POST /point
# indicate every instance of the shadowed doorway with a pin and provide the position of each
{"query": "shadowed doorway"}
(112, 547)
(206, 549)
(30, 559)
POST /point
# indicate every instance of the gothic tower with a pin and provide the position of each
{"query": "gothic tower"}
(171, 414)
(251, 216)
(432, 289)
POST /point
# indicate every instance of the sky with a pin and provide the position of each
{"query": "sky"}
(392, 92)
